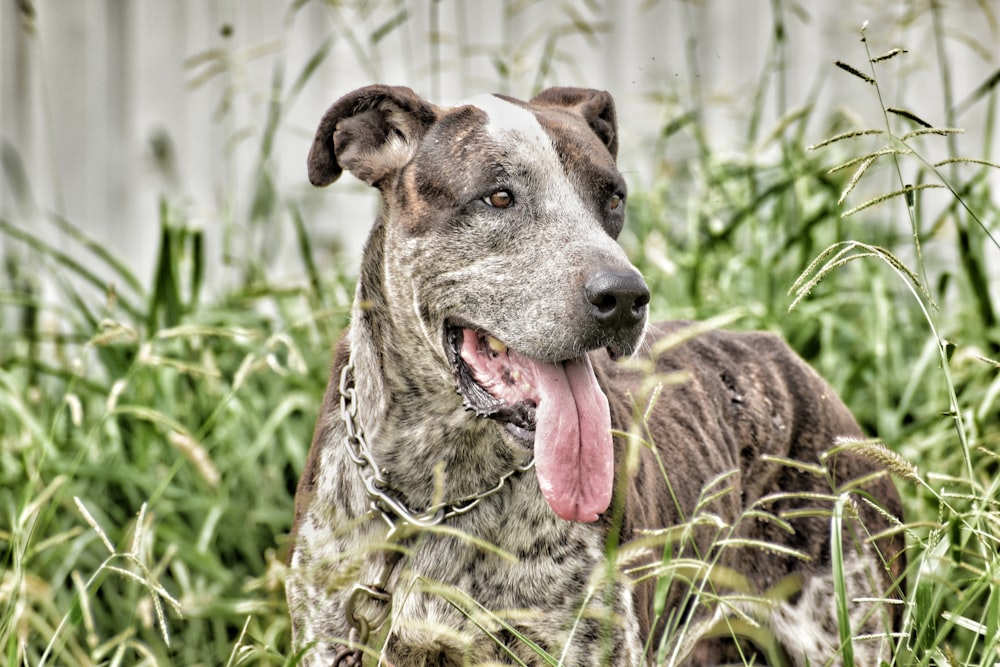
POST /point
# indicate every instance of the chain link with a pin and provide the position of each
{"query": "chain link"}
(400, 519)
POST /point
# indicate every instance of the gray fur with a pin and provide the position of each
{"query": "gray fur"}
(439, 254)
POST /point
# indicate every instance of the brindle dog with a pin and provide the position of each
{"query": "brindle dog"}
(493, 318)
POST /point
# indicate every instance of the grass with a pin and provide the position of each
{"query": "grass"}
(152, 433)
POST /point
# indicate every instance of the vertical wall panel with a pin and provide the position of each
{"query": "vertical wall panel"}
(92, 92)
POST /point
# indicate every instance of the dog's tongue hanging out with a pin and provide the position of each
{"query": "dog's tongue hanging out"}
(573, 454)
(574, 459)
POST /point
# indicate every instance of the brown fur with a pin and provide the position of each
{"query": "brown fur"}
(733, 406)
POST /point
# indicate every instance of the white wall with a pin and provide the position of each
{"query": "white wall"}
(85, 87)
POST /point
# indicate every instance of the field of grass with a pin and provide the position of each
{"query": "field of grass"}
(151, 436)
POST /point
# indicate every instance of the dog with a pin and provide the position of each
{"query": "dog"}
(511, 466)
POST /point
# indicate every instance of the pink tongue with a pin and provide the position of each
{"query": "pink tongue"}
(573, 454)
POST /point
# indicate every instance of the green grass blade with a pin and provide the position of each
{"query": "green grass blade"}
(65, 260)
(840, 593)
(102, 252)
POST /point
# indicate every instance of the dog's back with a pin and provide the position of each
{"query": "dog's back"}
(771, 447)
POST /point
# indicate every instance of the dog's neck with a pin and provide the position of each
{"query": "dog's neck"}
(408, 403)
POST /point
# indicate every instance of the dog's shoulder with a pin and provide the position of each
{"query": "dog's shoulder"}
(747, 369)
(683, 350)
(733, 397)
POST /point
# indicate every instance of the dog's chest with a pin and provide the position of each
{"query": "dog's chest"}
(512, 551)
(512, 557)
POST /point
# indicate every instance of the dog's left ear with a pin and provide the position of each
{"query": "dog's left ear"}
(596, 106)
(371, 132)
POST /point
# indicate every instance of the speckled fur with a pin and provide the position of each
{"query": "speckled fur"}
(435, 253)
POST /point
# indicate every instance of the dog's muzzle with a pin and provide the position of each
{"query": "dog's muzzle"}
(557, 407)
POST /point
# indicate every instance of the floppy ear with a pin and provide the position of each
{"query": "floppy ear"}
(371, 132)
(596, 106)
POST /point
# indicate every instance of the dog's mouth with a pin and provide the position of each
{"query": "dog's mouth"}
(555, 407)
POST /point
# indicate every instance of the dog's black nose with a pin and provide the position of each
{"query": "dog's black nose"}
(618, 298)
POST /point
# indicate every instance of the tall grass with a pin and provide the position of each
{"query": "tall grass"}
(911, 344)
(153, 431)
(198, 412)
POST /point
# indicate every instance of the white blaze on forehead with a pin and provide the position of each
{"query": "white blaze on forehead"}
(506, 117)
(518, 128)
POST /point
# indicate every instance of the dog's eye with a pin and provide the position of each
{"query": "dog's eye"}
(616, 201)
(499, 199)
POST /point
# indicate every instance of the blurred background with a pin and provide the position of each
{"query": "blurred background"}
(171, 285)
(109, 105)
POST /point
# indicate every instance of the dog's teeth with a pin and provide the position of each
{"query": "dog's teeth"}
(496, 345)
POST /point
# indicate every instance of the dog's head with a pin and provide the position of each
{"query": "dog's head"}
(500, 219)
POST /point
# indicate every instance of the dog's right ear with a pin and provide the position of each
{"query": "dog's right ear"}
(371, 132)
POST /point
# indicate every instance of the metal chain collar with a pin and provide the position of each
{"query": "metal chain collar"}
(401, 520)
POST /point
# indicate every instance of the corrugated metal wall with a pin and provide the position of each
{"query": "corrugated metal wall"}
(108, 105)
